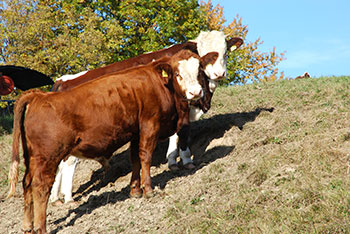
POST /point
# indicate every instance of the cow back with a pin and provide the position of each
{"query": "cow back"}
(125, 64)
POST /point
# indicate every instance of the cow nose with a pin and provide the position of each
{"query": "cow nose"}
(196, 93)
(218, 76)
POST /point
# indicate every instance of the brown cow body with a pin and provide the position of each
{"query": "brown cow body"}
(140, 105)
(122, 65)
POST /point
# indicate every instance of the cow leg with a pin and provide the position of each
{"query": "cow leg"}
(135, 190)
(28, 202)
(148, 142)
(185, 152)
(43, 179)
(67, 178)
(54, 197)
(172, 152)
(105, 164)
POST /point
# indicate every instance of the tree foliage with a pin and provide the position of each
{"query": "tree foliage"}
(247, 63)
(69, 36)
(55, 40)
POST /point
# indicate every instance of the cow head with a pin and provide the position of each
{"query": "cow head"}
(215, 41)
(183, 68)
(188, 76)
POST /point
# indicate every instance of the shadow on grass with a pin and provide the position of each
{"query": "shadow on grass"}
(202, 133)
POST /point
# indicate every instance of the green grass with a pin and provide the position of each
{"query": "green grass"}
(289, 172)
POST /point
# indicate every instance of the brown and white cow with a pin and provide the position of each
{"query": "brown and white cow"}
(140, 105)
(213, 41)
(206, 42)
(305, 75)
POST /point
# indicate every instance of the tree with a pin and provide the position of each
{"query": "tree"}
(247, 63)
(150, 25)
(55, 40)
(68, 36)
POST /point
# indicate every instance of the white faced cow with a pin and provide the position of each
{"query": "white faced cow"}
(213, 41)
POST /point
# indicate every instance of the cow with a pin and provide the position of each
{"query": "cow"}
(142, 105)
(305, 75)
(213, 41)
(206, 42)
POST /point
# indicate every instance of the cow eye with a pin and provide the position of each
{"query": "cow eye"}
(179, 77)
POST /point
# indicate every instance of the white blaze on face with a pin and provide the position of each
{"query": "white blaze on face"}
(213, 41)
(188, 78)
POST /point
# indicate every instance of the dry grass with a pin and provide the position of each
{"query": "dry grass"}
(285, 171)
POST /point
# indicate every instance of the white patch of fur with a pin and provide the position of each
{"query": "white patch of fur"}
(71, 76)
(188, 70)
(212, 85)
(195, 113)
(67, 178)
(55, 190)
(213, 41)
(172, 150)
(64, 180)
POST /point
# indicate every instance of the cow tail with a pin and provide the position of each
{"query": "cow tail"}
(18, 130)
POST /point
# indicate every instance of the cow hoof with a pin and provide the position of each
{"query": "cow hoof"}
(149, 194)
(136, 194)
(57, 203)
(28, 231)
(189, 166)
(174, 167)
(71, 203)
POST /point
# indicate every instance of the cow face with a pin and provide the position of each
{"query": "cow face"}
(183, 70)
(187, 78)
(215, 41)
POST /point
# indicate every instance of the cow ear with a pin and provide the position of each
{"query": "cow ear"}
(165, 71)
(209, 58)
(234, 43)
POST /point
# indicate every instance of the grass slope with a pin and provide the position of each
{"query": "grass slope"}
(271, 158)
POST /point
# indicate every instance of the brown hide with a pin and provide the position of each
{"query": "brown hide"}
(125, 64)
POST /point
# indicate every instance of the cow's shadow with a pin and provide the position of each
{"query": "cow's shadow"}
(202, 133)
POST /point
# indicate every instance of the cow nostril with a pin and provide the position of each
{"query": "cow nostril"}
(196, 93)
(222, 75)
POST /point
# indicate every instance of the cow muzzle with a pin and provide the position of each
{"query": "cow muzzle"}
(194, 93)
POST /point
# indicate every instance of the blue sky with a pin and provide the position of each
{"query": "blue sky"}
(315, 34)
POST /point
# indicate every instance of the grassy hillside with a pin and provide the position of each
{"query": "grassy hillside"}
(271, 158)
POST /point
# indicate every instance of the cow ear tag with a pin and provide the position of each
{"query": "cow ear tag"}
(233, 48)
(164, 74)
